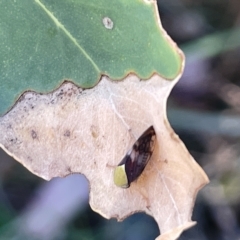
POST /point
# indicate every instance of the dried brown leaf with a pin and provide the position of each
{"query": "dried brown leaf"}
(89, 131)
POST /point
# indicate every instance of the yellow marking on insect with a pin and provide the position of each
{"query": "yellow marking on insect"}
(120, 177)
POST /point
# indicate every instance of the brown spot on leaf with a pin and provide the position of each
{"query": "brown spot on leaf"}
(67, 133)
(34, 134)
(29, 159)
(94, 131)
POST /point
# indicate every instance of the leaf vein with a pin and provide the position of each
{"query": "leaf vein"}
(62, 27)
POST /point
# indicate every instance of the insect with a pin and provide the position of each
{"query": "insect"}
(136, 159)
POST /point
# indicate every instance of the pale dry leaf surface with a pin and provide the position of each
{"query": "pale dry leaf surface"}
(72, 130)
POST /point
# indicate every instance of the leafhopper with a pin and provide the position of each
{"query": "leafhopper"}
(136, 159)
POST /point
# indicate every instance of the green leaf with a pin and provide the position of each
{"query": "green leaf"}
(46, 42)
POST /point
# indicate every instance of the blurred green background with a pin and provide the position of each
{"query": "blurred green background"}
(204, 109)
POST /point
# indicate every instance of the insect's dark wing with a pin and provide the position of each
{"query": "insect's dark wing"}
(143, 147)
